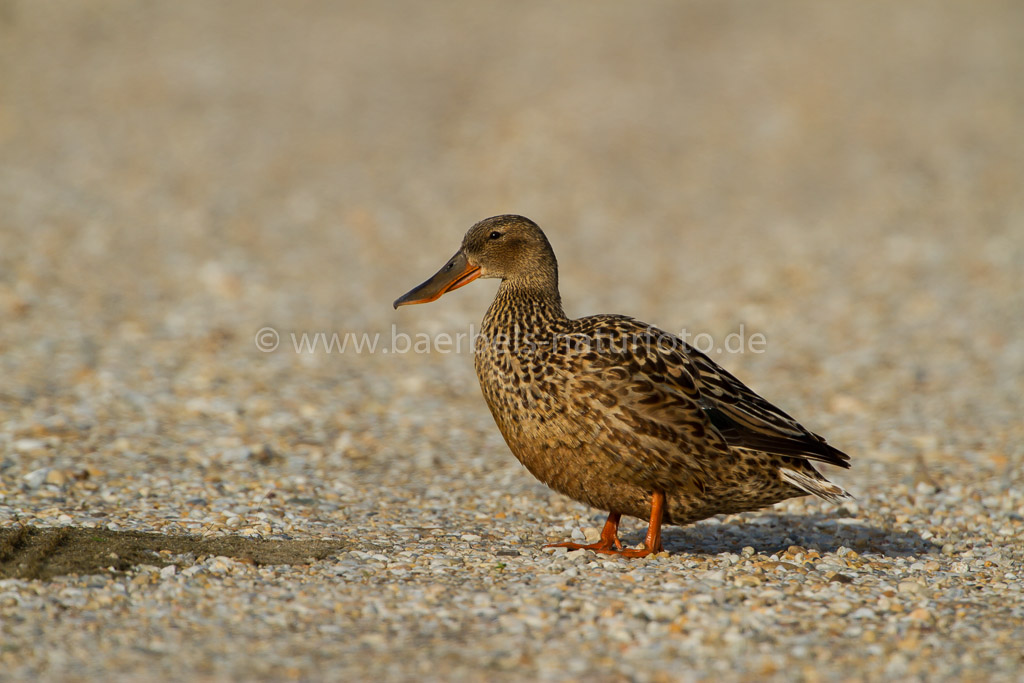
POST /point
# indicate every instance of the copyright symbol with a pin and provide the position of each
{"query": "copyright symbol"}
(267, 339)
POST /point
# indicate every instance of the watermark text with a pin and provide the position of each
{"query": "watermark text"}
(611, 341)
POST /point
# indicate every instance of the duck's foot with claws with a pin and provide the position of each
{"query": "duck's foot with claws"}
(609, 538)
(610, 544)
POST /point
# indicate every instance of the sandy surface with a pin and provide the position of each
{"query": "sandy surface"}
(843, 178)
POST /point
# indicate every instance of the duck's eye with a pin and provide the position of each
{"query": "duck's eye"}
(495, 235)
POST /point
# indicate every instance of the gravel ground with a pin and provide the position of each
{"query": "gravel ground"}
(843, 178)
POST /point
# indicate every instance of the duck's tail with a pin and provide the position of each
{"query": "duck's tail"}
(815, 485)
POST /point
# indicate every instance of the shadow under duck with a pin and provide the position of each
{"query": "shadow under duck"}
(616, 413)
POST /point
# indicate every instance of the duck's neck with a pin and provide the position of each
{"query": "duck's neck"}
(525, 304)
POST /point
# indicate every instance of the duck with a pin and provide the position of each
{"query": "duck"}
(616, 413)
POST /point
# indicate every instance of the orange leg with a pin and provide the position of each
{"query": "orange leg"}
(652, 542)
(610, 534)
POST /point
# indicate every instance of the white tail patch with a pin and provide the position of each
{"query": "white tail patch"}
(818, 487)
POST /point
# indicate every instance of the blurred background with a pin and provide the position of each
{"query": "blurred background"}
(844, 178)
(183, 182)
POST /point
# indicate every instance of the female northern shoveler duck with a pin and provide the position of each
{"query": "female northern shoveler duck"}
(615, 413)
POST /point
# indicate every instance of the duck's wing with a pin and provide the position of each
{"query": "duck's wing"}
(631, 402)
(746, 420)
(673, 405)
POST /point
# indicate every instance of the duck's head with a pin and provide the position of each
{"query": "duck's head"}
(511, 248)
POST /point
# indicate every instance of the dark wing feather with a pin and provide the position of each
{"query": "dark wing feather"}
(748, 421)
(663, 386)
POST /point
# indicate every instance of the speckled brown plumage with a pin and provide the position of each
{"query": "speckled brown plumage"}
(616, 413)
